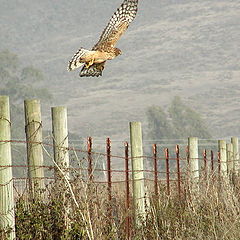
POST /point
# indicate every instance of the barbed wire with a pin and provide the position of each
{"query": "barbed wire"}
(171, 175)
(105, 182)
(85, 151)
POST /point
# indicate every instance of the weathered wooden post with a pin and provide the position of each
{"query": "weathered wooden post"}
(33, 129)
(230, 158)
(60, 140)
(137, 172)
(236, 160)
(61, 156)
(7, 215)
(193, 159)
(222, 148)
(230, 162)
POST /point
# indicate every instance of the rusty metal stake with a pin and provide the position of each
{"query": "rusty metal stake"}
(128, 220)
(90, 168)
(109, 176)
(219, 164)
(178, 170)
(154, 148)
(212, 161)
(90, 174)
(205, 162)
(187, 155)
(167, 170)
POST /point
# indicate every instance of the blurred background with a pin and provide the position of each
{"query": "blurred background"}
(178, 74)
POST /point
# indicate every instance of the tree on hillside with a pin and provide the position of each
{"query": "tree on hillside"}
(179, 121)
(186, 121)
(8, 61)
(158, 123)
(20, 83)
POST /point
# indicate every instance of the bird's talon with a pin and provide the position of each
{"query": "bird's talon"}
(89, 64)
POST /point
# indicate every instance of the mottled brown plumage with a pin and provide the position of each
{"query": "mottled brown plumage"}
(93, 61)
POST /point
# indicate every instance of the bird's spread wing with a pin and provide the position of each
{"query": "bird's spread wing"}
(118, 24)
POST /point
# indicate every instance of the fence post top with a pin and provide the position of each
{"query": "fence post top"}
(4, 106)
(135, 123)
(222, 142)
(193, 138)
(58, 107)
(234, 140)
(28, 101)
(4, 97)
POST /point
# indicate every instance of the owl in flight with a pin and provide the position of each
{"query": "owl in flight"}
(93, 61)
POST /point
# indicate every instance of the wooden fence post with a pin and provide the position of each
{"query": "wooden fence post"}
(61, 155)
(230, 158)
(33, 129)
(236, 160)
(137, 172)
(193, 159)
(222, 148)
(7, 215)
(60, 139)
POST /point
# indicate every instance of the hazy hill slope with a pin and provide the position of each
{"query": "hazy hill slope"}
(186, 48)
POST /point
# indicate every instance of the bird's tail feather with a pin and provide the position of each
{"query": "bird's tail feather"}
(94, 70)
(76, 60)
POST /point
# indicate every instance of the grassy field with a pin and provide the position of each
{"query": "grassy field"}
(210, 212)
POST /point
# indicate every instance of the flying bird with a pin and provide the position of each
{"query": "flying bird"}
(93, 61)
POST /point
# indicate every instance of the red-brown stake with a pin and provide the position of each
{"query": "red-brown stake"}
(154, 148)
(187, 155)
(109, 175)
(90, 172)
(90, 168)
(212, 161)
(127, 191)
(178, 170)
(167, 170)
(205, 161)
(219, 163)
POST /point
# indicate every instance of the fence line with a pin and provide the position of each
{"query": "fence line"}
(156, 179)
(164, 172)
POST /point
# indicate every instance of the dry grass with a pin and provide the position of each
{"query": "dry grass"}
(210, 212)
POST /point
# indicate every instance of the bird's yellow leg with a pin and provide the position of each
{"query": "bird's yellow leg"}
(90, 63)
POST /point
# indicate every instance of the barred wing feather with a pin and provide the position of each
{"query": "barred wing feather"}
(75, 62)
(118, 23)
